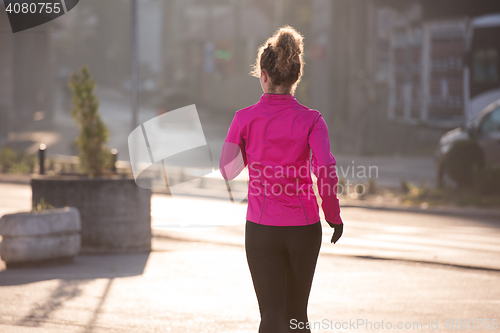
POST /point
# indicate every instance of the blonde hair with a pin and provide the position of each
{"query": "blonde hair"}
(282, 58)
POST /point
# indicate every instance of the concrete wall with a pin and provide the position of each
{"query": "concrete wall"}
(40, 236)
(115, 212)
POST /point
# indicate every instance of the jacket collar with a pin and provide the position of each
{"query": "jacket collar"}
(266, 97)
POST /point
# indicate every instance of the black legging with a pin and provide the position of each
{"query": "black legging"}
(282, 260)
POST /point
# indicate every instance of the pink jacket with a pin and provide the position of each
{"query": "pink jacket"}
(275, 138)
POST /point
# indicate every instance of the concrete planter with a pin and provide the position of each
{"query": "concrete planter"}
(40, 236)
(115, 212)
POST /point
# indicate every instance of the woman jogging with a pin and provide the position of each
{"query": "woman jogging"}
(281, 141)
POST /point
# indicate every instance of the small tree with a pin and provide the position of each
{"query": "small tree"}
(94, 134)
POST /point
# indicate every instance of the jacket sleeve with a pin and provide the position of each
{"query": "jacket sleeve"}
(323, 165)
(233, 157)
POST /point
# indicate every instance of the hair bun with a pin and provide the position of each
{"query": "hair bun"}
(281, 57)
(290, 50)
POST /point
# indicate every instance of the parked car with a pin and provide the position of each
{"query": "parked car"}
(484, 129)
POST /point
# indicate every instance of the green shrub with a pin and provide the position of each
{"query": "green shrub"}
(91, 142)
(41, 206)
(341, 186)
(405, 186)
(372, 188)
(460, 160)
(12, 161)
(486, 180)
(7, 158)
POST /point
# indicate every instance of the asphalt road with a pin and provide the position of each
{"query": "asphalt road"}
(197, 279)
(454, 240)
(199, 287)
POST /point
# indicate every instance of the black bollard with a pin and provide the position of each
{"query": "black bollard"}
(41, 158)
(114, 152)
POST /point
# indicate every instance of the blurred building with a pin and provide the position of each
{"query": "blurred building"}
(26, 76)
(212, 45)
(6, 79)
(404, 72)
(389, 76)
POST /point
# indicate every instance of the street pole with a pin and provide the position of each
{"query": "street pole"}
(41, 158)
(134, 93)
(135, 67)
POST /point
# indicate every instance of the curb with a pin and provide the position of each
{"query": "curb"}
(15, 179)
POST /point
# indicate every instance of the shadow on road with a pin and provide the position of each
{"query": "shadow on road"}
(72, 279)
(84, 267)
